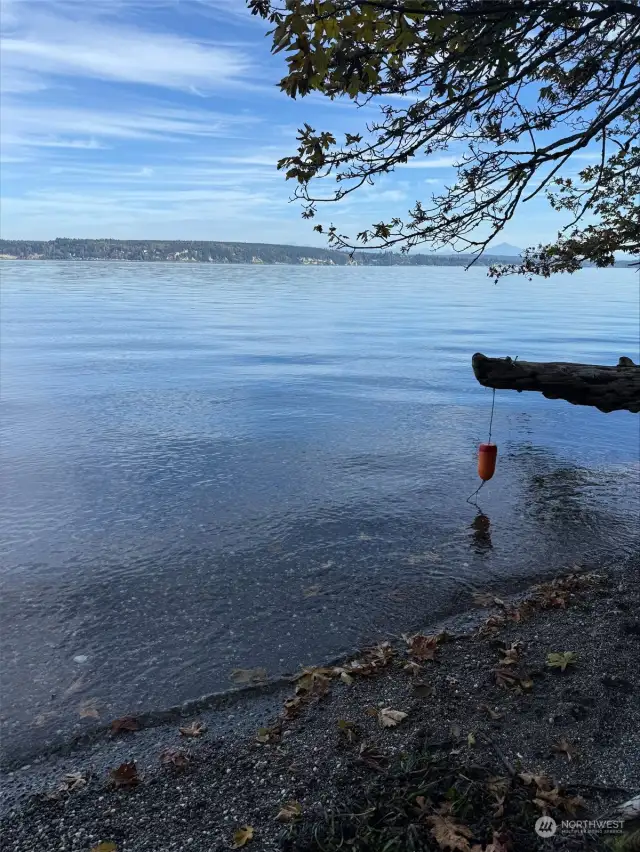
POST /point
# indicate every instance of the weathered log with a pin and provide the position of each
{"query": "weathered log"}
(605, 388)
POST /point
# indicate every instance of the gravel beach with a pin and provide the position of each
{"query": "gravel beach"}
(268, 768)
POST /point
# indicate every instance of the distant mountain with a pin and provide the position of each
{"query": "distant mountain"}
(505, 250)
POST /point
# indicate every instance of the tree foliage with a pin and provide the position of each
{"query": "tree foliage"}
(532, 96)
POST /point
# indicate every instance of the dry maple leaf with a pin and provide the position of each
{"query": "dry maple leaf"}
(380, 655)
(424, 647)
(412, 667)
(313, 680)
(127, 724)
(126, 775)
(195, 729)
(554, 798)
(105, 846)
(492, 625)
(88, 709)
(289, 811)
(73, 781)
(174, 757)
(258, 675)
(542, 782)
(242, 836)
(564, 747)
(70, 782)
(449, 834)
(512, 654)
(561, 660)
(389, 718)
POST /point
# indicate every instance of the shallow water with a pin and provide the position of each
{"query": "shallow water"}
(211, 467)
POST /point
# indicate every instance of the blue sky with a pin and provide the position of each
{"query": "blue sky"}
(162, 119)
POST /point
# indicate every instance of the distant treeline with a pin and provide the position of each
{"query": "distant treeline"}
(191, 251)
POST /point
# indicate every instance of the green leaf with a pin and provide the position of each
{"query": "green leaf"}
(561, 660)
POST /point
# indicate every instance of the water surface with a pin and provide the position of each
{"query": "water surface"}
(211, 467)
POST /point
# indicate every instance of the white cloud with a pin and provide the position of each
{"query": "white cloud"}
(33, 125)
(122, 54)
(430, 163)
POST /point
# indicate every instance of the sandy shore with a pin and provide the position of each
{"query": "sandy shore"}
(472, 727)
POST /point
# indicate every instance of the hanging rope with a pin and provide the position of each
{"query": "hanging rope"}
(470, 498)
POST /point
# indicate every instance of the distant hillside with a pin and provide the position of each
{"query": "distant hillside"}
(505, 250)
(192, 251)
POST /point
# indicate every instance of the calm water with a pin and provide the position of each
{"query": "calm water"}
(210, 467)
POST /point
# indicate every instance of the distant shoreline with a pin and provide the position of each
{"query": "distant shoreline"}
(214, 252)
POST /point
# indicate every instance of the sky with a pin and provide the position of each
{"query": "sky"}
(162, 119)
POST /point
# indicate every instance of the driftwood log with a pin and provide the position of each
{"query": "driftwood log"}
(605, 388)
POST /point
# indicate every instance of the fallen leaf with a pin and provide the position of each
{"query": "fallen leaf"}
(88, 709)
(511, 655)
(554, 798)
(70, 782)
(413, 668)
(498, 785)
(195, 729)
(73, 781)
(423, 805)
(379, 656)
(292, 707)
(509, 679)
(564, 747)
(126, 775)
(471, 740)
(371, 757)
(497, 845)
(289, 811)
(105, 846)
(174, 757)
(561, 660)
(312, 591)
(449, 834)
(242, 836)
(125, 725)
(492, 714)
(389, 718)
(542, 782)
(345, 677)
(422, 647)
(269, 735)
(258, 675)
(313, 680)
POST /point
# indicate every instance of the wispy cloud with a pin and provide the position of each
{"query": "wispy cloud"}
(61, 47)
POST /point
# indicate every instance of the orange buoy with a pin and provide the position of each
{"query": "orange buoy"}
(487, 454)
